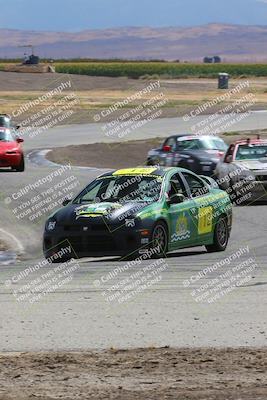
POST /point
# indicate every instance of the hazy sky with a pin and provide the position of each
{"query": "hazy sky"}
(74, 15)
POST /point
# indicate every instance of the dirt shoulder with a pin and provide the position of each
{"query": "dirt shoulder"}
(136, 374)
(118, 155)
(102, 155)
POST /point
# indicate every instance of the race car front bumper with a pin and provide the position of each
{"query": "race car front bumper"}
(10, 160)
(96, 240)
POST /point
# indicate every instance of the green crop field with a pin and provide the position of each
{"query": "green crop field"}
(163, 69)
(148, 69)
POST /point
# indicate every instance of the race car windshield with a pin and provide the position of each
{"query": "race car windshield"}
(202, 144)
(5, 136)
(121, 189)
(251, 152)
(214, 144)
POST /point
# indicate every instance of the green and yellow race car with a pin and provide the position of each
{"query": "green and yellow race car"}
(132, 211)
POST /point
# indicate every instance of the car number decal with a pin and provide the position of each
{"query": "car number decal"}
(205, 217)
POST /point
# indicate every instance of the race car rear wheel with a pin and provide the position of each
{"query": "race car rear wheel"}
(159, 239)
(221, 236)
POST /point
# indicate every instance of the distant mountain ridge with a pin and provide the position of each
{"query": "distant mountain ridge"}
(231, 42)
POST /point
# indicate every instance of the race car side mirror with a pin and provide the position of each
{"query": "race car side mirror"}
(20, 140)
(228, 159)
(176, 199)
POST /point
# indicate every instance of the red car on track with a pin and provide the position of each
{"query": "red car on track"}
(11, 153)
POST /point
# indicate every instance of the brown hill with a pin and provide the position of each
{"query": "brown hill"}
(232, 42)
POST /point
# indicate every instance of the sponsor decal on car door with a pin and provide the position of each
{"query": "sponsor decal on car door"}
(182, 228)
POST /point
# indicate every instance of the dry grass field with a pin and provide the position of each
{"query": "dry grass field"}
(98, 93)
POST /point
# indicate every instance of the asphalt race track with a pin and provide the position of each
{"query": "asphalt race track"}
(79, 315)
(93, 133)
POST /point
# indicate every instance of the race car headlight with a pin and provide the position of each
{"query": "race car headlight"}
(50, 225)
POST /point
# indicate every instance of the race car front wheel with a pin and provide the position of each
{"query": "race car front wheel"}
(159, 239)
(221, 236)
(21, 166)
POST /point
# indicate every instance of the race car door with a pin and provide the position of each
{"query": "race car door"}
(202, 207)
(181, 220)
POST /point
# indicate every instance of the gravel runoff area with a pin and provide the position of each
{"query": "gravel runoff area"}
(143, 374)
(103, 155)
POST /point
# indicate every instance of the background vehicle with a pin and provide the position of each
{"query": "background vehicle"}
(5, 121)
(131, 211)
(243, 171)
(199, 154)
(11, 153)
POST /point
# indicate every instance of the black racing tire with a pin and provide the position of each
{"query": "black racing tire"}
(21, 166)
(160, 228)
(220, 238)
(159, 238)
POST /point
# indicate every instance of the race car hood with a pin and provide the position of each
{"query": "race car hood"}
(252, 165)
(6, 146)
(110, 211)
